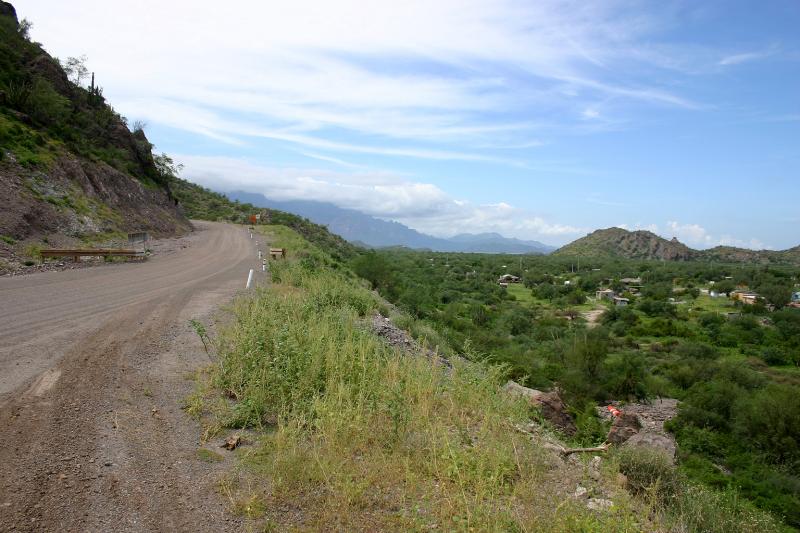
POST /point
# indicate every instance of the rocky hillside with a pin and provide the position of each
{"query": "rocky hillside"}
(71, 171)
(617, 242)
(731, 254)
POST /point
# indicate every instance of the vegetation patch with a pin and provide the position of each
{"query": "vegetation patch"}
(357, 435)
(209, 456)
(366, 437)
(731, 364)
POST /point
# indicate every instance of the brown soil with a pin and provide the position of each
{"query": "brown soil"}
(94, 370)
(593, 317)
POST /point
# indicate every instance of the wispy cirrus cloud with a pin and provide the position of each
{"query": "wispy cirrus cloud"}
(507, 92)
(737, 59)
(450, 71)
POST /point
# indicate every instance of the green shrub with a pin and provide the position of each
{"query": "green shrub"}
(703, 510)
(34, 251)
(650, 474)
(45, 105)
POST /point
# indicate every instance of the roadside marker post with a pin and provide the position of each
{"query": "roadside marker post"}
(249, 279)
(263, 265)
(259, 254)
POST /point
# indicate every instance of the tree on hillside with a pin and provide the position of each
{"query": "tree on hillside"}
(75, 68)
(24, 29)
(166, 166)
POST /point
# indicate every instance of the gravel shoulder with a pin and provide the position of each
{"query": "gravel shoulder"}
(94, 366)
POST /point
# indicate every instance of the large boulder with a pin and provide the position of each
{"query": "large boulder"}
(625, 426)
(550, 403)
(655, 441)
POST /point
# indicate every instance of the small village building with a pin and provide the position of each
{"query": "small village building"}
(632, 285)
(605, 294)
(746, 297)
(620, 302)
(508, 278)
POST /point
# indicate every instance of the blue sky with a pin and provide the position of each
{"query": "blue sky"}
(540, 120)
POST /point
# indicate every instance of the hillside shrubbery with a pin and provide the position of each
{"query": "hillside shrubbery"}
(44, 113)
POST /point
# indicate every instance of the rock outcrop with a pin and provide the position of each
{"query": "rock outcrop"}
(551, 404)
(625, 426)
(642, 425)
(655, 441)
(77, 198)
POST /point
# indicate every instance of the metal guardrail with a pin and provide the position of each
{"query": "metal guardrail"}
(77, 253)
(277, 253)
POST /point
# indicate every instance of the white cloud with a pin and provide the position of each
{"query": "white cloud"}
(736, 59)
(422, 206)
(590, 113)
(445, 71)
(696, 235)
(690, 233)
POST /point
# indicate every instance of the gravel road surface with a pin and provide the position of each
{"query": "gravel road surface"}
(94, 366)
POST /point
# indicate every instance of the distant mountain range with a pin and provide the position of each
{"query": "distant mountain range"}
(617, 242)
(374, 232)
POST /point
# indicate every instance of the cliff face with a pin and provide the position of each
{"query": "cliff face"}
(81, 199)
(70, 168)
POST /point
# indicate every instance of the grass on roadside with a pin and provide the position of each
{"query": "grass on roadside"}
(364, 437)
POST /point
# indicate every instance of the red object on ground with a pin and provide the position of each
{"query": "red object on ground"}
(613, 410)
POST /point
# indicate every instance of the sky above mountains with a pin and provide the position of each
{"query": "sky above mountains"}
(539, 120)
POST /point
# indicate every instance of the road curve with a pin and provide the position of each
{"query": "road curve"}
(93, 366)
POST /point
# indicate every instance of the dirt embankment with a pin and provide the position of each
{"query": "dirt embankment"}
(95, 366)
(75, 200)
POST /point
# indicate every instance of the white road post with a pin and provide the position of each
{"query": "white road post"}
(259, 254)
(249, 279)
(263, 265)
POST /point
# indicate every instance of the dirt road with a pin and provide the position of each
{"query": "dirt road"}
(93, 371)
